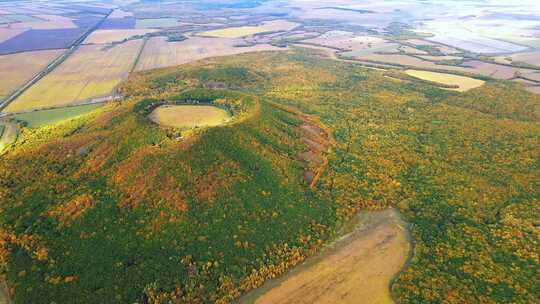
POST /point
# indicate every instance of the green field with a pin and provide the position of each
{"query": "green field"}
(48, 117)
(111, 208)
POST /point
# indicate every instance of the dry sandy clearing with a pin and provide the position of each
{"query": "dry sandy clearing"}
(159, 53)
(16, 69)
(464, 83)
(110, 36)
(189, 116)
(242, 31)
(356, 269)
(92, 71)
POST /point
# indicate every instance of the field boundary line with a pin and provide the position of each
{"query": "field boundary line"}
(139, 55)
(51, 66)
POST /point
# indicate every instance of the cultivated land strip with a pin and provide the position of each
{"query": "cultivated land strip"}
(51, 66)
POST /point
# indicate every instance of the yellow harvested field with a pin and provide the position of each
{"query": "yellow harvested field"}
(189, 116)
(357, 269)
(16, 69)
(243, 31)
(159, 53)
(464, 83)
(110, 36)
(92, 71)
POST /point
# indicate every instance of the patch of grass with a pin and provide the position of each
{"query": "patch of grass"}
(189, 116)
(463, 83)
(48, 117)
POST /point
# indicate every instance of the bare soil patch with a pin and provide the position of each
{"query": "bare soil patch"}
(358, 268)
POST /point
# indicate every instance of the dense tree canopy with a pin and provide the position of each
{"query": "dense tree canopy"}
(109, 207)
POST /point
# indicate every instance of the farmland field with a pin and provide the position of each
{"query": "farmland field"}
(440, 58)
(93, 71)
(369, 50)
(532, 58)
(46, 22)
(37, 119)
(410, 50)
(156, 23)
(189, 116)
(348, 41)
(16, 69)
(464, 83)
(494, 70)
(158, 52)
(118, 23)
(237, 32)
(58, 33)
(109, 36)
(119, 13)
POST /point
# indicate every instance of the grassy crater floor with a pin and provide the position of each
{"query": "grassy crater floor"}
(189, 116)
(109, 208)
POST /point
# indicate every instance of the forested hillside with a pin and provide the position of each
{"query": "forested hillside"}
(110, 207)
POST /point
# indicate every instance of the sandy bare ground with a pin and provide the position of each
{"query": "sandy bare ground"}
(356, 269)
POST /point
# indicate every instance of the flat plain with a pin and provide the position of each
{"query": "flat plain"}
(158, 52)
(16, 69)
(117, 35)
(243, 31)
(93, 71)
